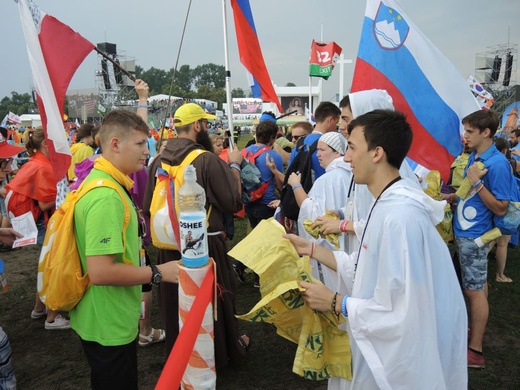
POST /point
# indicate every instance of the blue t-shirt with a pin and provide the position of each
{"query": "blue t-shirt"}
(266, 173)
(473, 218)
(316, 167)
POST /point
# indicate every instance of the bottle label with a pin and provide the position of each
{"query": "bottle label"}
(194, 240)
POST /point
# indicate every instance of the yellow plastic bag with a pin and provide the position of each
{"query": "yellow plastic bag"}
(333, 238)
(323, 349)
(433, 189)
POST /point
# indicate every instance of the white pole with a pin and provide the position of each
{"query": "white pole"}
(228, 79)
(310, 94)
(342, 61)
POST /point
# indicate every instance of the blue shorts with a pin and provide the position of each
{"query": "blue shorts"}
(473, 263)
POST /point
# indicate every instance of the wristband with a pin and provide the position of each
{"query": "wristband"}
(333, 304)
(481, 186)
(312, 250)
(477, 183)
(341, 214)
(344, 306)
(343, 225)
(234, 162)
(297, 186)
(142, 106)
(235, 166)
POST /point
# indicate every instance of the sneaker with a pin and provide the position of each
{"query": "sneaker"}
(59, 323)
(476, 360)
(240, 273)
(35, 315)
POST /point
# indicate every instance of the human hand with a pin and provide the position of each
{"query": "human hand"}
(269, 161)
(8, 235)
(142, 89)
(516, 152)
(170, 271)
(317, 295)
(235, 156)
(274, 204)
(303, 247)
(474, 173)
(327, 225)
(294, 179)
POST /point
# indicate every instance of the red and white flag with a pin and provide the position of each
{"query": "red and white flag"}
(55, 52)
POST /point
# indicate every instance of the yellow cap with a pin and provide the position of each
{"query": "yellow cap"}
(189, 113)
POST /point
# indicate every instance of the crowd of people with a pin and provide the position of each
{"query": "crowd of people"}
(389, 273)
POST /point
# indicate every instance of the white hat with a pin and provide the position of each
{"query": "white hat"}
(365, 101)
(336, 141)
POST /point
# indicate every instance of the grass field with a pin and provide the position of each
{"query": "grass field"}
(54, 359)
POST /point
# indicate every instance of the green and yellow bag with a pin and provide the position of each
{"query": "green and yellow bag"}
(164, 208)
(61, 283)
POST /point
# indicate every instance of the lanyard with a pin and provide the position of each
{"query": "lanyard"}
(368, 220)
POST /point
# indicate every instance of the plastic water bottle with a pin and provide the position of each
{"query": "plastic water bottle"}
(192, 221)
(3, 279)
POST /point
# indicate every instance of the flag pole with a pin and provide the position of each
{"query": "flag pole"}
(228, 79)
(118, 66)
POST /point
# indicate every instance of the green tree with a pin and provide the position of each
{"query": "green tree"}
(18, 103)
(184, 78)
(156, 79)
(238, 93)
(215, 94)
(210, 75)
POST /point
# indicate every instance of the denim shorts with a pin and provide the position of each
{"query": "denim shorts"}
(473, 263)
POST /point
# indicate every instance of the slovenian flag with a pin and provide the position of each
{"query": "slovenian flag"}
(394, 55)
(251, 54)
(55, 52)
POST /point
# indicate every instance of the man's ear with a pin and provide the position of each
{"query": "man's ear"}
(487, 132)
(379, 154)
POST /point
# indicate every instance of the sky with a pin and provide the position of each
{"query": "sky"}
(150, 31)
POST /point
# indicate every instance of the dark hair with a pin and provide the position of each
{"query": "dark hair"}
(345, 102)
(482, 120)
(501, 144)
(326, 109)
(516, 131)
(266, 131)
(84, 131)
(387, 129)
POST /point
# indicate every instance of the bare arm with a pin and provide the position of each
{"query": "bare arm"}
(497, 207)
(104, 271)
(278, 176)
(299, 193)
(142, 90)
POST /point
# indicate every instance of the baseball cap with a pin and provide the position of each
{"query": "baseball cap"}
(7, 150)
(189, 113)
(336, 141)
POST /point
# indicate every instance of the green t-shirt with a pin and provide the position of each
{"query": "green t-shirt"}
(108, 315)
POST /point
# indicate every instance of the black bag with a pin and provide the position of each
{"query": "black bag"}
(302, 163)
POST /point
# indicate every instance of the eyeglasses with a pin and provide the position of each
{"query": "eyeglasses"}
(5, 162)
(296, 137)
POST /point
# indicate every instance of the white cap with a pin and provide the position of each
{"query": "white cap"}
(336, 141)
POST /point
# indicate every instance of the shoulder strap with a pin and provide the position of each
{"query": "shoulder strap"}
(96, 183)
(314, 146)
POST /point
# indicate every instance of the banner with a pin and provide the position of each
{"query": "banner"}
(323, 58)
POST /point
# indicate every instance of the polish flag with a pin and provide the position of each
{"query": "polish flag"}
(55, 52)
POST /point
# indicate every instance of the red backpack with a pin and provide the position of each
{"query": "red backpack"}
(252, 186)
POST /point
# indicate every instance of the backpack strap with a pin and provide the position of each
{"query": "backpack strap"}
(97, 183)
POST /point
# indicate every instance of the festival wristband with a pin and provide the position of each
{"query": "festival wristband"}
(235, 166)
(313, 246)
(481, 186)
(477, 183)
(333, 303)
(344, 306)
(297, 186)
(142, 106)
(343, 225)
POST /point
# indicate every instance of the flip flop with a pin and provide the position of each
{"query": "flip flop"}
(505, 279)
(243, 343)
(149, 340)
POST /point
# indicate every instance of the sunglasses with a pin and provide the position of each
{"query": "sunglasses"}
(296, 137)
(5, 162)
